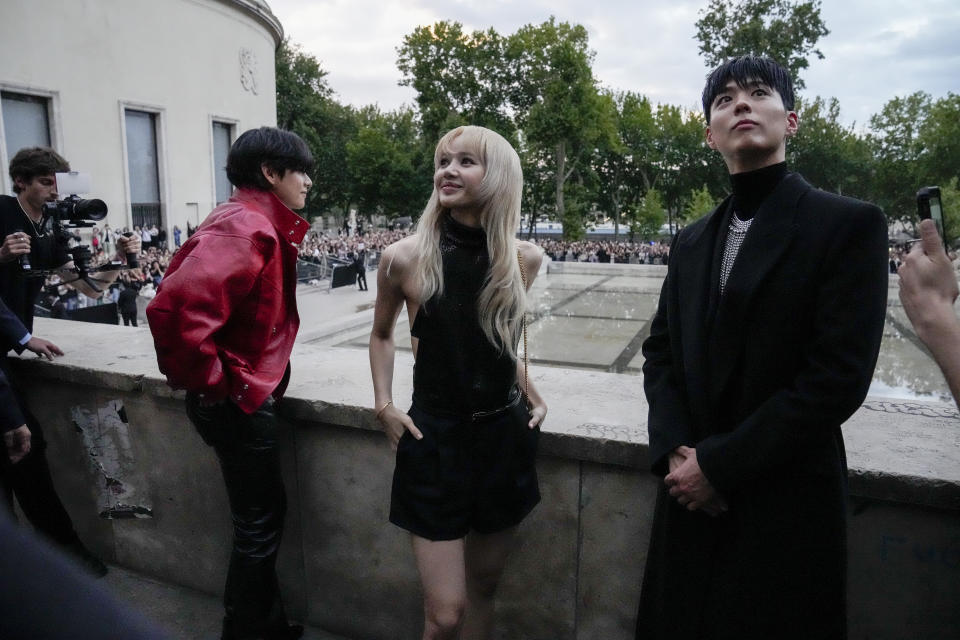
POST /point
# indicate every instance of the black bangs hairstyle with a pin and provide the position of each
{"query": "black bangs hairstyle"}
(33, 162)
(280, 150)
(745, 70)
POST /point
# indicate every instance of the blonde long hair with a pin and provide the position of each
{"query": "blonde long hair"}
(502, 300)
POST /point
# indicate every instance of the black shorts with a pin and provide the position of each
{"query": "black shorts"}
(465, 474)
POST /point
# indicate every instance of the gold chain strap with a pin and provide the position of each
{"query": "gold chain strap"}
(523, 320)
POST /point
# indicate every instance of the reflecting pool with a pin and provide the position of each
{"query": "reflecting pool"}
(599, 321)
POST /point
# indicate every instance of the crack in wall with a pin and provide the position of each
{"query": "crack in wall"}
(106, 439)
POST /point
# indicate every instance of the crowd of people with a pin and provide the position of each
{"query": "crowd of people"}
(898, 255)
(620, 251)
(316, 245)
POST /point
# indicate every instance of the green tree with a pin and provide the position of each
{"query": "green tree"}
(538, 200)
(382, 161)
(459, 78)
(785, 30)
(827, 153)
(699, 203)
(305, 106)
(302, 87)
(939, 138)
(648, 216)
(683, 159)
(897, 150)
(556, 103)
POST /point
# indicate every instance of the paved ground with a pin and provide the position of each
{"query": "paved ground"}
(185, 613)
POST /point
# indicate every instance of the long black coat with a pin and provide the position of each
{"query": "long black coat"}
(759, 381)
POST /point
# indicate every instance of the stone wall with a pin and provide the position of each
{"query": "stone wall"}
(146, 493)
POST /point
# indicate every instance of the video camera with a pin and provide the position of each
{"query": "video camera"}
(72, 212)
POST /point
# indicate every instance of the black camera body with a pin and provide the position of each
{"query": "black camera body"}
(74, 211)
(62, 216)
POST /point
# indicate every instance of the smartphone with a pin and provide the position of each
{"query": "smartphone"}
(928, 206)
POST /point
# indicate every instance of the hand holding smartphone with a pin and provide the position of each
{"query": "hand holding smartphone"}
(929, 206)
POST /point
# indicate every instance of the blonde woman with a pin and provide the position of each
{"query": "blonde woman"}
(465, 475)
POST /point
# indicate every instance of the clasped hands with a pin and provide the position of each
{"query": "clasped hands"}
(688, 484)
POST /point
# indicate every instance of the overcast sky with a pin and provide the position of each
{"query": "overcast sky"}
(876, 49)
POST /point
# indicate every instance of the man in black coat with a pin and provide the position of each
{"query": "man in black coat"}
(763, 344)
(127, 303)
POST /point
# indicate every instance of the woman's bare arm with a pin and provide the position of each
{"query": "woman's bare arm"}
(394, 268)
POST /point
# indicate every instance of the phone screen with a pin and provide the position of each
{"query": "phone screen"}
(936, 213)
(929, 206)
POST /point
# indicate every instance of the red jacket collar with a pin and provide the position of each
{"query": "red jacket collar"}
(288, 224)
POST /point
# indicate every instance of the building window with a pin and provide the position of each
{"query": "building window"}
(222, 135)
(26, 121)
(143, 166)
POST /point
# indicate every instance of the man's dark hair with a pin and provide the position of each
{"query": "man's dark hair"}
(279, 150)
(33, 162)
(745, 70)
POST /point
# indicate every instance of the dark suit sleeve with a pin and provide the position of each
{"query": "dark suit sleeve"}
(12, 331)
(669, 424)
(10, 415)
(838, 360)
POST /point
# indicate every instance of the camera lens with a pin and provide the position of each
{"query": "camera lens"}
(93, 209)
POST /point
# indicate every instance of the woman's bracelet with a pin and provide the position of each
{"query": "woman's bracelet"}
(384, 408)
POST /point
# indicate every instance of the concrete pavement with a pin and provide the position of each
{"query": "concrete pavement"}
(185, 613)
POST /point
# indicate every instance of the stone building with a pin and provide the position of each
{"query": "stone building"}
(145, 96)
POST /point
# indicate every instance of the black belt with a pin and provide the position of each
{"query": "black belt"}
(475, 416)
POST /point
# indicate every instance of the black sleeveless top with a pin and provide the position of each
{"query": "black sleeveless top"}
(457, 370)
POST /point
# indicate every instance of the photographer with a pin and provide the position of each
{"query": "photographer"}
(26, 241)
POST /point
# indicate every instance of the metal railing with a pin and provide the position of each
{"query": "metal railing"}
(144, 214)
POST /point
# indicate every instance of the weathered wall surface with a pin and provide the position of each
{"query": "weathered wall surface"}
(577, 568)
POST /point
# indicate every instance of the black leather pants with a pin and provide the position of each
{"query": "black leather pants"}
(247, 448)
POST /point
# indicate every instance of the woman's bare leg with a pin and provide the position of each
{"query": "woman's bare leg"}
(486, 556)
(442, 574)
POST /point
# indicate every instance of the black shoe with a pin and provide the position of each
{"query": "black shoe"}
(87, 561)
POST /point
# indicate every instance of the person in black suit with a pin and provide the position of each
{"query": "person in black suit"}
(360, 264)
(16, 433)
(764, 342)
(127, 302)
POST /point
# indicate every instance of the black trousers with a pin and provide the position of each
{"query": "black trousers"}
(30, 481)
(246, 446)
(362, 278)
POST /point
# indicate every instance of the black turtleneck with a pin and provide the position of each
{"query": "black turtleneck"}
(751, 188)
(457, 369)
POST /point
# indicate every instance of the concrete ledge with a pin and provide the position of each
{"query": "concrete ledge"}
(905, 451)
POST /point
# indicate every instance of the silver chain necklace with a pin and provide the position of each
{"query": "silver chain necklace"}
(37, 228)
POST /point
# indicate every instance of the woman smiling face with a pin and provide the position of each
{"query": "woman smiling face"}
(458, 177)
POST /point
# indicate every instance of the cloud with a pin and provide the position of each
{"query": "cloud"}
(874, 52)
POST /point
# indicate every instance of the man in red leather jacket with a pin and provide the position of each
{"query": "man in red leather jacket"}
(224, 321)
